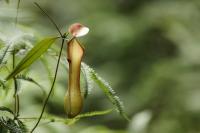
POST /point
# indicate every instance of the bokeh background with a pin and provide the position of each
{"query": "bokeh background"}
(148, 50)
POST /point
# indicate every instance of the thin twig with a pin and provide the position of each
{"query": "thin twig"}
(53, 22)
(52, 86)
(16, 96)
(16, 19)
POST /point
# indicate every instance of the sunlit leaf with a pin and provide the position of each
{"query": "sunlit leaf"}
(32, 55)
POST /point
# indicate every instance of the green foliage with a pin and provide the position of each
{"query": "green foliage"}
(7, 1)
(3, 129)
(88, 84)
(31, 80)
(12, 126)
(22, 126)
(78, 117)
(109, 92)
(15, 46)
(33, 55)
(148, 49)
(88, 114)
(3, 84)
(2, 108)
(93, 113)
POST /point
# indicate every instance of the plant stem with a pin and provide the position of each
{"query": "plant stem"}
(52, 86)
(16, 19)
(16, 96)
(56, 26)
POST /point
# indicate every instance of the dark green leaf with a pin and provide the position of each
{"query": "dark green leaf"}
(32, 55)
(75, 119)
(7, 1)
(94, 113)
(2, 108)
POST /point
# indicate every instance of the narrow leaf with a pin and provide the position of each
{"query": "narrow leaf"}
(107, 89)
(32, 55)
(7, 1)
(88, 114)
(14, 126)
(22, 126)
(2, 108)
(29, 79)
(4, 52)
(2, 84)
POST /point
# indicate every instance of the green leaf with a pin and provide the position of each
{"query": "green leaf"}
(32, 55)
(88, 114)
(22, 126)
(47, 68)
(7, 1)
(4, 52)
(94, 113)
(3, 129)
(12, 125)
(78, 117)
(107, 89)
(2, 84)
(2, 108)
(29, 79)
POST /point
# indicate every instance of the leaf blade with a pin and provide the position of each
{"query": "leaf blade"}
(32, 55)
(107, 89)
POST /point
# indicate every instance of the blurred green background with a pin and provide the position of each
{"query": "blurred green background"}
(148, 50)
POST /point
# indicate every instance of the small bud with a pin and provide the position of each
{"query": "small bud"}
(78, 30)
